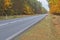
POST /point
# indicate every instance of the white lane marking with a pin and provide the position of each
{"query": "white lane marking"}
(9, 22)
(11, 37)
(16, 21)
(4, 24)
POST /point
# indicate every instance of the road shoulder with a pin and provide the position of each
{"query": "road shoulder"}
(41, 31)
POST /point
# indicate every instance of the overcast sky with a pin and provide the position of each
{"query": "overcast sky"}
(44, 4)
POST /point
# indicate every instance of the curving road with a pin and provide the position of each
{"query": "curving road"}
(11, 28)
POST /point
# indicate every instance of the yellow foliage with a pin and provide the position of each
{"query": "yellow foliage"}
(27, 9)
(7, 4)
(54, 6)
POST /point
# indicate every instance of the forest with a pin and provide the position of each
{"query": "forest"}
(21, 7)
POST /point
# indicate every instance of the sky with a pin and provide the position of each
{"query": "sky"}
(44, 4)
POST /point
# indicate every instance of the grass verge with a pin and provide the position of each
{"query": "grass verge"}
(41, 31)
(12, 17)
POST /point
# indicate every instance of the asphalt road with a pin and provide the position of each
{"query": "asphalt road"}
(11, 28)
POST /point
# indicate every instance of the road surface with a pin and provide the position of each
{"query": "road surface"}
(11, 28)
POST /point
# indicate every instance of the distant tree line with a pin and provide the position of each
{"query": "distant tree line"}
(20, 7)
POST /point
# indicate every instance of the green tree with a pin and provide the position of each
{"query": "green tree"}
(44, 10)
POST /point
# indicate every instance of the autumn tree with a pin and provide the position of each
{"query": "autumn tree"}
(27, 8)
(7, 7)
(14, 7)
(54, 6)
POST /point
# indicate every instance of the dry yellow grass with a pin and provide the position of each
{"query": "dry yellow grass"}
(56, 22)
(13, 17)
(41, 31)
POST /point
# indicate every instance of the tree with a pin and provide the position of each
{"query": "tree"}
(44, 10)
(35, 5)
(27, 8)
(1, 10)
(14, 7)
(7, 7)
(54, 6)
